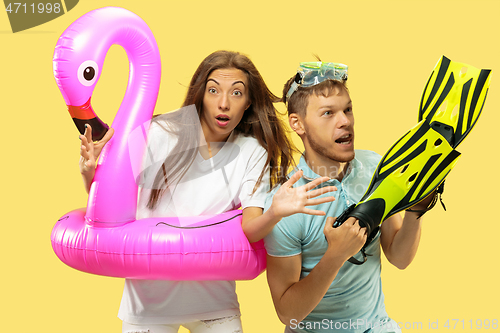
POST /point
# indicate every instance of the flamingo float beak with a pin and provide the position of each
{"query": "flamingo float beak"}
(84, 114)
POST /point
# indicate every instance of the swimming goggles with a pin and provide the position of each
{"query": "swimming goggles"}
(312, 73)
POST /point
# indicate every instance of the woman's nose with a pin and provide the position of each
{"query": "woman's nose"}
(224, 102)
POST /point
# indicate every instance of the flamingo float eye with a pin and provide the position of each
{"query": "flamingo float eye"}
(88, 73)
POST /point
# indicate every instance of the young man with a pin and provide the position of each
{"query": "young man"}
(313, 288)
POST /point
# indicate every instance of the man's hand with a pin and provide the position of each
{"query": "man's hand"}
(294, 298)
(422, 205)
(347, 239)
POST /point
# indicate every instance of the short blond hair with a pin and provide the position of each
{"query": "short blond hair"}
(299, 100)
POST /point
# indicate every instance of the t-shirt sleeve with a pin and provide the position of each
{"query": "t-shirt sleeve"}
(282, 241)
(256, 163)
(285, 238)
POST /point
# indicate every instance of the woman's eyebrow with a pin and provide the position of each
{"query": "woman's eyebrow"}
(236, 82)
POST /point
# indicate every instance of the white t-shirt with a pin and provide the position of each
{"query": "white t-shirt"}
(219, 184)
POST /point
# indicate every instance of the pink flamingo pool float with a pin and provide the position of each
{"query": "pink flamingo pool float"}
(106, 239)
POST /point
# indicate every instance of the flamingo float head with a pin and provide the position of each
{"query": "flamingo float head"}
(79, 57)
(77, 63)
(78, 60)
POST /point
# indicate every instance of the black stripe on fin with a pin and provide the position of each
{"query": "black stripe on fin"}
(411, 156)
(445, 64)
(473, 115)
(481, 81)
(442, 97)
(452, 156)
(463, 103)
(421, 176)
(414, 138)
(420, 109)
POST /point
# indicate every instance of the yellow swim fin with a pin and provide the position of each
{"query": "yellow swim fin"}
(410, 170)
(418, 163)
(453, 99)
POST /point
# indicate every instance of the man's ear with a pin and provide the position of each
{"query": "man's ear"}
(296, 123)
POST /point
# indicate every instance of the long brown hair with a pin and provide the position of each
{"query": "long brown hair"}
(260, 121)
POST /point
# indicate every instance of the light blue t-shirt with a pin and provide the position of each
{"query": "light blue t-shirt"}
(354, 302)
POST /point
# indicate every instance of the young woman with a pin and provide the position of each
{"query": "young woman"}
(239, 152)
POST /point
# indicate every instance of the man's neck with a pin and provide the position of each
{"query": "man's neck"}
(324, 166)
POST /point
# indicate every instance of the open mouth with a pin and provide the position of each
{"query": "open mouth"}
(344, 140)
(222, 120)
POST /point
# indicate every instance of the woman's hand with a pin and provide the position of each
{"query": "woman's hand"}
(90, 151)
(289, 200)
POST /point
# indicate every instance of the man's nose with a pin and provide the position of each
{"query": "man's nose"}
(343, 120)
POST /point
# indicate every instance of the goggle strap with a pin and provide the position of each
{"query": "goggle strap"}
(292, 89)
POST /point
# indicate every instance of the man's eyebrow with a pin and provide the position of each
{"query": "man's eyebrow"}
(330, 106)
(348, 104)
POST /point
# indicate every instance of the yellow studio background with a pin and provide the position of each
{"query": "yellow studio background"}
(390, 47)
